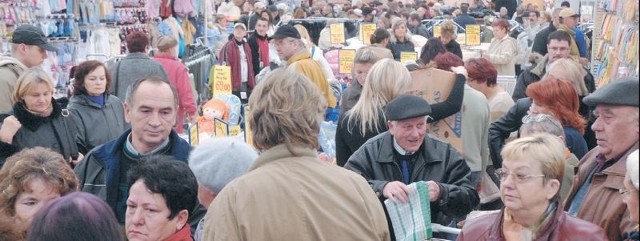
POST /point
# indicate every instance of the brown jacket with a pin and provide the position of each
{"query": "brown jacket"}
(602, 203)
(296, 197)
(561, 227)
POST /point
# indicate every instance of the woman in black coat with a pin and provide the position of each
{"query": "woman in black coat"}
(37, 119)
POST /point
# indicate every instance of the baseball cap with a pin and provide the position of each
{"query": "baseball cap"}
(240, 25)
(285, 31)
(568, 12)
(31, 35)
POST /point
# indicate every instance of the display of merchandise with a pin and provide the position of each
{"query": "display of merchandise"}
(615, 43)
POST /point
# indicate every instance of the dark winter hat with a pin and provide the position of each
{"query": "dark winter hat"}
(623, 91)
(407, 107)
(286, 31)
(31, 35)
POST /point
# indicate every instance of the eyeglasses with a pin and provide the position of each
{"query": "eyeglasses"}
(518, 177)
(537, 118)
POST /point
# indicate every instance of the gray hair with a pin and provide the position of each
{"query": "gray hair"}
(541, 123)
(218, 161)
(131, 90)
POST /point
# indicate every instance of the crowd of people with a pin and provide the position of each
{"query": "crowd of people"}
(110, 161)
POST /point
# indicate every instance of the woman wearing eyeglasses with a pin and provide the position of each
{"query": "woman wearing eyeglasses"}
(530, 180)
(631, 193)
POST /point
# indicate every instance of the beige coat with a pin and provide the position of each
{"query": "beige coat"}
(10, 70)
(287, 197)
(503, 53)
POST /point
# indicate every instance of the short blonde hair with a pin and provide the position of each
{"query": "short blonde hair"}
(546, 149)
(304, 35)
(448, 30)
(165, 43)
(28, 80)
(575, 71)
(286, 108)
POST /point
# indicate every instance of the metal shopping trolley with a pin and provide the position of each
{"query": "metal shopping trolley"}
(507, 82)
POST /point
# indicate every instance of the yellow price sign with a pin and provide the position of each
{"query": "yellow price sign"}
(222, 128)
(193, 135)
(437, 31)
(220, 78)
(408, 56)
(337, 33)
(248, 136)
(472, 35)
(366, 30)
(234, 130)
(345, 60)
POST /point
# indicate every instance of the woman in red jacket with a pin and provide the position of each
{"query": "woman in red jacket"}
(179, 77)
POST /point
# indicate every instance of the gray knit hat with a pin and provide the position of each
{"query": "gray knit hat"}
(218, 161)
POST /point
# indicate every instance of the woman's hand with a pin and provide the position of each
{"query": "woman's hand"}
(460, 70)
(9, 128)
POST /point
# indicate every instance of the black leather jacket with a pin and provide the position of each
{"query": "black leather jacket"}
(438, 161)
(500, 129)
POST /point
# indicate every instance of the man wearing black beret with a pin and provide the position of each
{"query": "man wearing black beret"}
(406, 154)
(594, 194)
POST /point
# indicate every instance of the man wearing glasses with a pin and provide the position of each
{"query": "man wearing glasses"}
(406, 154)
(29, 48)
(594, 194)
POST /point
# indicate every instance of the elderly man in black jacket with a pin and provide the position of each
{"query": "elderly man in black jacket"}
(406, 154)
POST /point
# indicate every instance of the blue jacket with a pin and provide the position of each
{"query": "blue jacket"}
(97, 170)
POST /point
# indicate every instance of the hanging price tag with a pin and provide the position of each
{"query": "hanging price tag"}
(408, 56)
(220, 80)
(437, 31)
(345, 60)
(366, 30)
(472, 35)
(337, 33)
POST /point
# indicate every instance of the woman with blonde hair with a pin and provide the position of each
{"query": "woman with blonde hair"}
(316, 53)
(178, 76)
(448, 36)
(531, 177)
(37, 119)
(386, 80)
(217, 33)
(365, 58)
(30, 179)
(400, 39)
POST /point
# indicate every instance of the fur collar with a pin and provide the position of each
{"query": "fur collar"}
(31, 121)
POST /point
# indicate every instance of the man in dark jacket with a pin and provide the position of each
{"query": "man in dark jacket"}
(406, 154)
(464, 18)
(540, 42)
(259, 44)
(416, 27)
(559, 47)
(150, 107)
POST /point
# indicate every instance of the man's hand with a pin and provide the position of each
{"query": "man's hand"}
(434, 191)
(396, 191)
(10, 127)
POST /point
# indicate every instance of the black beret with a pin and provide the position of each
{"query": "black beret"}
(406, 107)
(619, 92)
